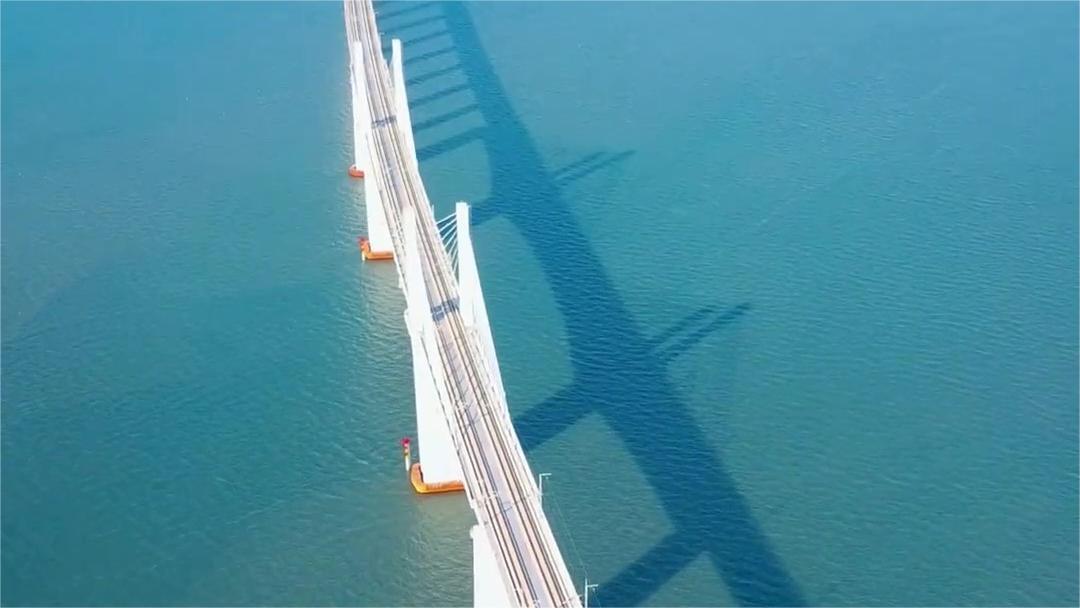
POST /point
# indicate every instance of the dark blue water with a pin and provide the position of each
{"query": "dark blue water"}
(785, 298)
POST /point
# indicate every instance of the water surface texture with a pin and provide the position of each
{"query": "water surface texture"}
(784, 295)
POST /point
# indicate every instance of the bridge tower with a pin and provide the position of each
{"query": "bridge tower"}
(438, 468)
(377, 245)
(489, 588)
(401, 98)
(473, 310)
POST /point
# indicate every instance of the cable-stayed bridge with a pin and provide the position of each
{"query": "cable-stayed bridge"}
(465, 432)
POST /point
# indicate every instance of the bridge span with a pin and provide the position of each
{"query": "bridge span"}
(465, 432)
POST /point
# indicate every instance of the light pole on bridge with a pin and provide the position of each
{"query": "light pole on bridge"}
(587, 587)
(540, 483)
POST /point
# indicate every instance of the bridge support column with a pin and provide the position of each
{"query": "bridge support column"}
(473, 309)
(438, 468)
(401, 97)
(489, 590)
(377, 245)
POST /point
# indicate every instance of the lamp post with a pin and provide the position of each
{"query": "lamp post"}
(540, 483)
(587, 587)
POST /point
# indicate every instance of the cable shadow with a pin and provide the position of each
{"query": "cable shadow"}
(585, 161)
(403, 8)
(685, 343)
(420, 39)
(600, 162)
(437, 95)
(425, 37)
(443, 118)
(422, 78)
(694, 318)
(616, 367)
(450, 143)
(436, 18)
(424, 56)
(551, 417)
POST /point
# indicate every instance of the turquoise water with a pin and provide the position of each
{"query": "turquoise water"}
(785, 298)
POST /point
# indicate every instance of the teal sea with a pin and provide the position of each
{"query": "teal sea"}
(785, 297)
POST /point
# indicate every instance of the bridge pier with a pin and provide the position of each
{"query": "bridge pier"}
(473, 309)
(377, 245)
(401, 97)
(489, 590)
(441, 468)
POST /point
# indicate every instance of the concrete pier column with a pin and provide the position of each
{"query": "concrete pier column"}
(438, 459)
(489, 590)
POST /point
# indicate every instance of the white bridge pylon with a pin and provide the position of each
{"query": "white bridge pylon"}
(441, 464)
(466, 437)
(378, 235)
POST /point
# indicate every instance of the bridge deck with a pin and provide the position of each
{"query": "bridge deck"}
(498, 481)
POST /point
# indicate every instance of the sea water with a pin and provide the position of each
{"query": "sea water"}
(784, 296)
